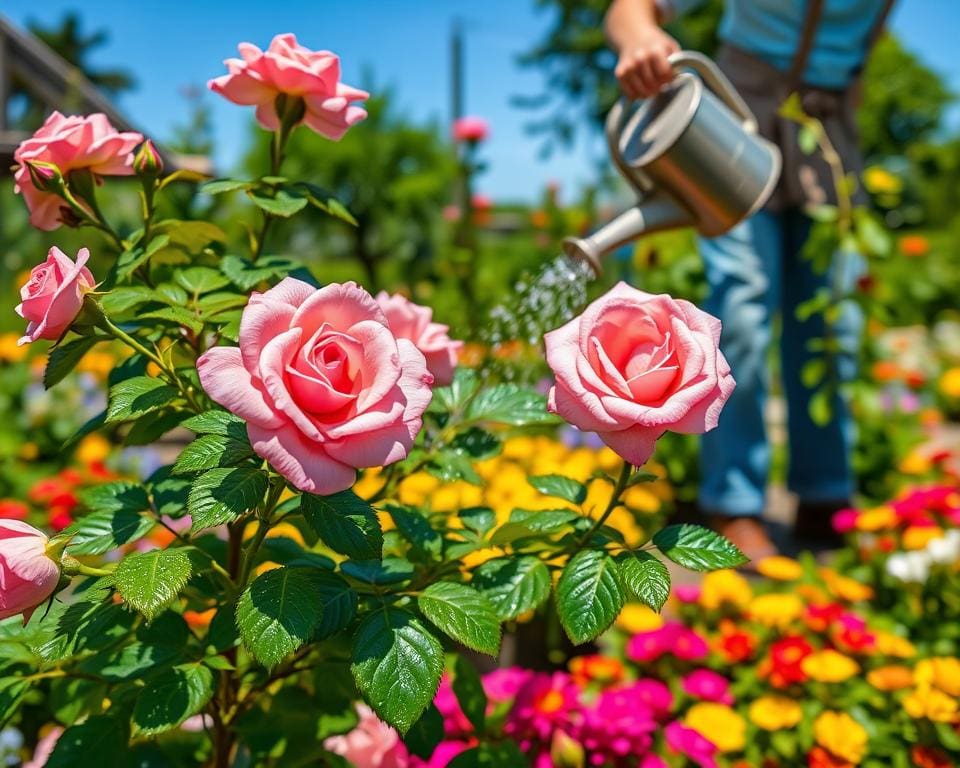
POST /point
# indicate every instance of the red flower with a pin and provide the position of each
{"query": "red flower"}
(929, 757)
(818, 757)
(470, 129)
(59, 518)
(11, 509)
(53, 491)
(734, 644)
(784, 666)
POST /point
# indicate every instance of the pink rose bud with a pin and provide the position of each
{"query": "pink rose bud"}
(472, 129)
(635, 365)
(53, 296)
(147, 162)
(323, 382)
(45, 176)
(69, 143)
(286, 67)
(411, 321)
(28, 576)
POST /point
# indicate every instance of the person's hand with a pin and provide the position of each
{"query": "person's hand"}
(643, 68)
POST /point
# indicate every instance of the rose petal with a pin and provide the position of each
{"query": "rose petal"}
(301, 461)
(224, 377)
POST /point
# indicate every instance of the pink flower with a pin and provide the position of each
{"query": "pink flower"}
(470, 129)
(672, 638)
(371, 744)
(324, 385)
(634, 365)
(44, 748)
(547, 702)
(442, 756)
(618, 725)
(687, 593)
(27, 575)
(411, 321)
(53, 296)
(654, 695)
(505, 683)
(259, 77)
(455, 722)
(687, 741)
(845, 520)
(707, 685)
(71, 143)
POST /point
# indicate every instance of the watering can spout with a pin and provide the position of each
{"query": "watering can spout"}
(655, 213)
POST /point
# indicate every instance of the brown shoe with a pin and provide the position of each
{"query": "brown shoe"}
(748, 534)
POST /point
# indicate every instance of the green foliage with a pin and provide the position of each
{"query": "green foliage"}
(696, 548)
(646, 578)
(589, 595)
(463, 613)
(513, 586)
(345, 523)
(212, 451)
(136, 396)
(220, 495)
(150, 581)
(172, 697)
(559, 486)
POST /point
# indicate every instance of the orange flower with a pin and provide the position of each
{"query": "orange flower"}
(918, 536)
(914, 245)
(199, 618)
(596, 669)
(845, 588)
(877, 519)
(929, 757)
(885, 371)
(893, 677)
(818, 757)
(734, 644)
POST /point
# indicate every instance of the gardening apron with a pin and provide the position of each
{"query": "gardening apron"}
(805, 179)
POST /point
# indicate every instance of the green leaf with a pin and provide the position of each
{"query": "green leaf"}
(245, 275)
(149, 581)
(464, 614)
(397, 664)
(562, 487)
(478, 519)
(513, 585)
(416, 529)
(102, 531)
(324, 201)
(217, 422)
(126, 297)
(698, 549)
(284, 204)
(589, 595)
(451, 466)
(279, 612)
(136, 396)
(129, 261)
(509, 404)
(12, 691)
(113, 497)
(546, 520)
(177, 316)
(201, 279)
(220, 495)
(211, 451)
(476, 443)
(90, 742)
(338, 604)
(346, 523)
(646, 578)
(219, 186)
(391, 570)
(425, 734)
(152, 426)
(503, 754)
(468, 688)
(64, 358)
(170, 698)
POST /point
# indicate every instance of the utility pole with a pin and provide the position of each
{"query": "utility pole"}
(456, 69)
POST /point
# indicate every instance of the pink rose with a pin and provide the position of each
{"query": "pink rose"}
(411, 321)
(371, 744)
(287, 67)
(634, 365)
(51, 299)
(27, 575)
(470, 129)
(44, 748)
(324, 384)
(71, 143)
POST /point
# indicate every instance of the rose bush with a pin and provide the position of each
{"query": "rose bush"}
(233, 604)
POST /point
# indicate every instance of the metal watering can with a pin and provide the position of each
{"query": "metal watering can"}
(693, 155)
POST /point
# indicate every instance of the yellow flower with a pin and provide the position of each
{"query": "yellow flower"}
(477, 557)
(893, 677)
(719, 724)
(9, 351)
(932, 704)
(99, 364)
(93, 448)
(845, 588)
(777, 611)
(725, 587)
(415, 489)
(877, 519)
(879, 180)
(369, 483)
(942, 672)
(918, 536)
(28, 451)
(829, 666)
(636, 617)
(915, 463)
(841, 735)
(642, 498)
(780, 568)
(950, 383)
(889, 644)
(774, 713)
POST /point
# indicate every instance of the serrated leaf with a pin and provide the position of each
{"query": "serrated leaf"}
(217, 422)
(199, 280)
(245, 275)
(279, 612)
(396, 663)
(170, 698)
(125, 297)
(514, 586)
(646, 578)
(338, 604)
(94, 738)
(177, 316)
(102, 531)
(562, 487)
(220, 495)
(136, 396)
(112, 497)
(283, 204)
(697, 548)
(416, 529)
(463, 613)
(391, 570)
(509, 404)
(211, 451)
(345, 523)
(63, 358)
(149, 581)
(589, 595)
(323, 200)
(546, 520)
(219, 186)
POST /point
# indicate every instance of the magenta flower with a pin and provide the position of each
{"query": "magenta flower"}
(688, 742)
(469, 128)
(672, 638)
(546, 703)
(707, 685)
(618, 725)
(845, 520)
(455, 722)
(654, 695)
(687, 593)
(504, 684)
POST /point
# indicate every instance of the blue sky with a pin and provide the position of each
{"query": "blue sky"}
(403, 43)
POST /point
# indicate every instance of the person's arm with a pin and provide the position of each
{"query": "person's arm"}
(633, 29)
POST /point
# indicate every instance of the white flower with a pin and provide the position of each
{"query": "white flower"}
(946, 549)
(913, 567)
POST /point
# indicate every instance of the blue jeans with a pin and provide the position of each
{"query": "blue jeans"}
(754, 272)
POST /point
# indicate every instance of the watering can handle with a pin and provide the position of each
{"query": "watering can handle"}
(715, 80)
